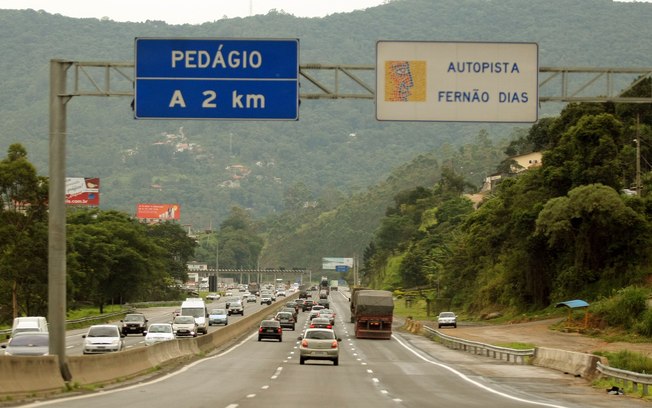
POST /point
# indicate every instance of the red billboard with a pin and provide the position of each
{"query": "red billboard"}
(83, 191)
(158, 211)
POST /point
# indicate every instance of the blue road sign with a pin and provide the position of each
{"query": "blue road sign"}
(213, 78)
(342, 268)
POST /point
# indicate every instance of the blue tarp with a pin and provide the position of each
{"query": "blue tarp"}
(572, 304)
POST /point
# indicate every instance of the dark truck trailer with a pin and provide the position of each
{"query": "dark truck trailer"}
(353, 299)
(303, 292)
(374, 312)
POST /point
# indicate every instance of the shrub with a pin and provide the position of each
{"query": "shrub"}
(623, 308)
(644, 325)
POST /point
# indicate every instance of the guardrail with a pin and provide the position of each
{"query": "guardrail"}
(624, 376)
(501, 353)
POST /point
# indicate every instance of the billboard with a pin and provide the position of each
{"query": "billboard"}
(333, 263)
(162, 212)
(457, 81)
(83, 191)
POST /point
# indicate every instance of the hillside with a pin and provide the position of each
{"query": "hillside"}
(336, 146)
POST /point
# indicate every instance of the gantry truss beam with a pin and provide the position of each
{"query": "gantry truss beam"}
(330, 81)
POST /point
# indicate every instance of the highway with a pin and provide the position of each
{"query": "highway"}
(406, 371)
(74, 340)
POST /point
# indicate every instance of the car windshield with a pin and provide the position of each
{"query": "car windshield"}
(193, 311)
(269, 323)
(218, 312)
(447, 314)
(160, 328)
(29, 341)
(320, 335)
(133, 318)
(103, 332)
(184, 320)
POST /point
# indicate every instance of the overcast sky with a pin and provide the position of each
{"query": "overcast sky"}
(187, 11)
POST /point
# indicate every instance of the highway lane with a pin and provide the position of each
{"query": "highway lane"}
(407, 371)
(74, 340)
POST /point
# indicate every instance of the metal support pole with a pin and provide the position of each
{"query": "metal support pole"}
(638, 155)
(57, 215)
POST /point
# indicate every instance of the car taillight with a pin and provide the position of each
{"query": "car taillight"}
(260, 330)
(304, 343)
(312, 326)
(279, 330)
(334, 344)
(329, 326)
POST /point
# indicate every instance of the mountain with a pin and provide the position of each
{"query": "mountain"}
(336, 147)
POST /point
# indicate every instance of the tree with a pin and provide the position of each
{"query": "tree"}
(599, 239)
(23, 234)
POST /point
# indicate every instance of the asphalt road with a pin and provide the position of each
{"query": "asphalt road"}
(407, 371)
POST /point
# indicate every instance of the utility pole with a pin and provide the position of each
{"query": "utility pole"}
(638, 155)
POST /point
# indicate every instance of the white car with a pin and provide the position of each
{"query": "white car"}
(213, 296)
(184, 326)
(103, 338)
(158, 332)
(446, 319)
(319, 344)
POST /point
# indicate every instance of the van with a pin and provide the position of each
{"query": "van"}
(196, 308)
(29, 324)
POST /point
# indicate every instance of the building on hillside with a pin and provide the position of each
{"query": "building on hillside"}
(517, 164)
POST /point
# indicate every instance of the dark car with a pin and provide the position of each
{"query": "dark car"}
(299, 303)
(324, 302)
(270, 329)
(307, 305)
(293, 304)
(295, 314)
(286, 319)
(134, 323)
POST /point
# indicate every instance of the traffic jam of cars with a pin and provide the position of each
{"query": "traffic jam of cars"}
(316, 339)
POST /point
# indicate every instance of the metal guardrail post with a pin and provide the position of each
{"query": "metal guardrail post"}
(624, 376)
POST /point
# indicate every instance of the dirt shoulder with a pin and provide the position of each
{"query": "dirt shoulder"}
(539, 334)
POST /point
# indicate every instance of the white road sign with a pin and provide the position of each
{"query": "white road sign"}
(457, 81)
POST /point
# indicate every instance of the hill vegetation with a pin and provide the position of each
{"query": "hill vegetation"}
(337, 182)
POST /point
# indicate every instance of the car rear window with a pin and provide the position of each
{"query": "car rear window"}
(320, 335)
(270, 323)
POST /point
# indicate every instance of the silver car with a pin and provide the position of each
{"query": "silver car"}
(184, 326)
(319, 344)
(103, 338)
(28, 344)
(218, 316)
(446, 319)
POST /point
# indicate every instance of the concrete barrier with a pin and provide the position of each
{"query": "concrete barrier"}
(29, 375)
(570, 362)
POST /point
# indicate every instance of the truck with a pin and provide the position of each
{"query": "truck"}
(373, 313)
(323, 284)
(254, 288)
(335, 284)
